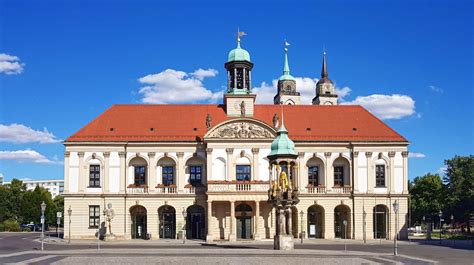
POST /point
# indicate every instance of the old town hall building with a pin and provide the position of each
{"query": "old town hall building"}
(202, 170)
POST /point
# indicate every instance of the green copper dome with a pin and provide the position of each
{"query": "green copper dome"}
(282, 144)
(238, 54)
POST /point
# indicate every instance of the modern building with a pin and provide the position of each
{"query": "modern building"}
(203, 168)
(54, 186)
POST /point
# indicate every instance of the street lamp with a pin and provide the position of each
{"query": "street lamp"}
(395, 246)
(345, 234)
(43, 208)
(185, 214)
(440, 214)
(69, 213)
(302, 233)
(452, 220)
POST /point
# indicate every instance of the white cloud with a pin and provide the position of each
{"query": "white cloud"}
(436, 89)
(386, 106)
(19, 133)
(442, 170)
(28, 155)
(416, 155)
(172, 86)
(305, 85)
(201, 73)
(10, 64)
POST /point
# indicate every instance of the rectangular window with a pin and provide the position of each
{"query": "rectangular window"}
(338, 176)
(140, 175)
(380, 175)
(195, 173)
(168, 175)
(313, 176)
(94, 176)
(94, 216)
(243, 173)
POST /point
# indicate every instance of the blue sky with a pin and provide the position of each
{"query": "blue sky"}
(64, 63)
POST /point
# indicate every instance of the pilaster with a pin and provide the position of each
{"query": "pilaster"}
(256, 234)
(229, 161)
(391, 171)
(123, 172)
(255, 162)
(405, 172)
(82, 169)
(209, 237)
(180, 172)
(232, 236)
(106, 182)
(370, 169)
(208, 166)
(355, 170)
(329, 177)
(152, 177)
(66, 171)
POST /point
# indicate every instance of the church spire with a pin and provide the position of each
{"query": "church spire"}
(324, 70)
(286, 67)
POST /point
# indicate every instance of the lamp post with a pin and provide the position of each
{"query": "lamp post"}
(440, 214)
(395, 246)
(43, 208)
(185, 214)
(69, 213)
(452, 220)
(345, 234)
(302, 233)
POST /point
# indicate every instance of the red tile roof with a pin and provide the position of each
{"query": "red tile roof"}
(166, 123)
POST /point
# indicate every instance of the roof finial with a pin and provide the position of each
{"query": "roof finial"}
(239, 34)
(324, 70)
(286, 67)
(282, 126)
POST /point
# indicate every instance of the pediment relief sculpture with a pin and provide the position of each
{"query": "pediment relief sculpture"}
(241, 129)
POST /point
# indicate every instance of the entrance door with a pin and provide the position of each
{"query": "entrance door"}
(244, 227)
(195, 222)
(168, 226)
(380, 221)
(341, 214)
(138, 229)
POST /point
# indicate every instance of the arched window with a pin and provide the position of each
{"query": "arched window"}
(94, 176)
(168, 168)
(243, 171)
(380, 175)
(313, 176)
(341, 172)
(139, 170)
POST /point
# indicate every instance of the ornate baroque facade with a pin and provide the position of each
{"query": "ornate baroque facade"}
(203, 171)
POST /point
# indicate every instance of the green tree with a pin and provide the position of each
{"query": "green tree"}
(459, 180)
(10, 200)
(426, 197)
(31, 206)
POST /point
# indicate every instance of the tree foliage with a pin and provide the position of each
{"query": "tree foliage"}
(24, 206)
(426, 197)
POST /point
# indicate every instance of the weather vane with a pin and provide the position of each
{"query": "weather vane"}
(240, 34)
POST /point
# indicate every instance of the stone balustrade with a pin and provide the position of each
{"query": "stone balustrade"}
(238, 186)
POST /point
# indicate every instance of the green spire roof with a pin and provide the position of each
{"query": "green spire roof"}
(286, 69)
(282, 144)
(238, 54)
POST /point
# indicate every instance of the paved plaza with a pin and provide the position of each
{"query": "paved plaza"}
(24, 248)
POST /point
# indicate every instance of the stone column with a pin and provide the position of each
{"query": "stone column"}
(232, 236)
(243, 79)
(391, 173)
(230, 152)
(208, 174)
(180, 172)
(123, 172)
(355, 170)
(152, 177)
(256, 234)
(255, 173)
(370, 169)
(209, 237)
(66, 171)
(405, 172)
(82, 175)
(328, 172)
(106, 187)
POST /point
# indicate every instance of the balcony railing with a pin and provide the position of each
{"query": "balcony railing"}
(137, 189)
(189, 189)
(165, 189)
(324, 190)
(240, 186)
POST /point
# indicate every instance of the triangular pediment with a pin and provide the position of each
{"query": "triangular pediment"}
(241, 128)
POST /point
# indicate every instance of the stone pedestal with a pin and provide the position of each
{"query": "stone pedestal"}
(232, 237)
(283, 242)
(109, 237)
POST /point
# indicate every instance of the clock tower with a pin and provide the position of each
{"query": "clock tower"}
(238, 99)
(325, 94)
(286, 94)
